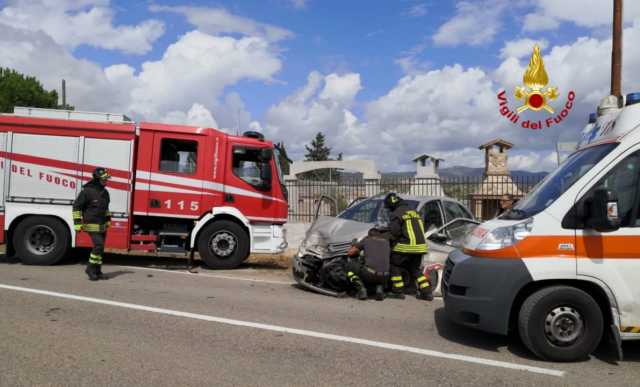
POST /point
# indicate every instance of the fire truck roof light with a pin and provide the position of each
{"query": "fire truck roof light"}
(593, 117)
(633, 98)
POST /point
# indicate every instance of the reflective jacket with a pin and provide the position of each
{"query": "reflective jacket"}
(91, 207)
(407, 231)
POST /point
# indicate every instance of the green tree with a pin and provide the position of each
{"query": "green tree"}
(319, 151)
(17, 89)
(284, 160)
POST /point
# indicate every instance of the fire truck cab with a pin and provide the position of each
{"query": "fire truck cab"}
(173, 189)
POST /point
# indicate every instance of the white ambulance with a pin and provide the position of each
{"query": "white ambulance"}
(563, 267)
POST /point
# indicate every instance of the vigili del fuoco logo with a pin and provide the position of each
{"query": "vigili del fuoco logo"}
(536, 97)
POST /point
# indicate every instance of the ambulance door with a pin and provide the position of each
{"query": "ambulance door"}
(177, 175)
(613, 258)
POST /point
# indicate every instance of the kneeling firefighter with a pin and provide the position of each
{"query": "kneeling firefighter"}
(91, 214)
(408, 245)
(369, 265)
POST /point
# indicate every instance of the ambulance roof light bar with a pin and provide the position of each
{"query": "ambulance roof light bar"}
(633, 98)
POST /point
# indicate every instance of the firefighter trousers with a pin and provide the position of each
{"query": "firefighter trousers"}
(406, 262)
(97, 238)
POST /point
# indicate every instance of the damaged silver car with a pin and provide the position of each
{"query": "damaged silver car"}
(446, 221)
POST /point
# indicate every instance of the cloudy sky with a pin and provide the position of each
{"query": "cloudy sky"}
(385, 80)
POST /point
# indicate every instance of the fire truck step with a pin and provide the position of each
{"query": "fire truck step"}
(143, 246)
(144, 238)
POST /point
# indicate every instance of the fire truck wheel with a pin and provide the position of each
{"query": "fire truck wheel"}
(41, 240)
(561, 323)
(223, 245)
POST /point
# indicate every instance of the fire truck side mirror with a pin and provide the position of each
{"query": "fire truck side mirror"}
(265, 177)
(603, 214)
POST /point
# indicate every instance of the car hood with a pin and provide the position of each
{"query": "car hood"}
(336, 230)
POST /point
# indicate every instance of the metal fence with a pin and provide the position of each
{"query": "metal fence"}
(480, 195)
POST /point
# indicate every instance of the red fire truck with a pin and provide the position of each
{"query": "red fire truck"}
(174, 188)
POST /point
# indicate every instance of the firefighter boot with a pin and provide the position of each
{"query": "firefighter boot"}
(379, 293)
(424, 289)
(91, 272)
(357, 283)
(397, 287)
(100, 274)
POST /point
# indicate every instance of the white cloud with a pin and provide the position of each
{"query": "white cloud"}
(198, 115)
(74, 23)
(216, 21)
(417, 10)
(322, 105)
(409, 61)
(197, 68)
(586, 13)
(521, 47)
(450, 111)
(299, 4)
(341, 89)
(475, 23)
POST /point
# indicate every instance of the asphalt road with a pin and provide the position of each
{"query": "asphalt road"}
(156, 325)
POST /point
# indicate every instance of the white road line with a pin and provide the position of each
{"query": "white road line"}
(293, 331)
(184, 272)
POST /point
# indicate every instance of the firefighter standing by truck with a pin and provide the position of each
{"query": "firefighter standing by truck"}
(408, 245)
(91, 214)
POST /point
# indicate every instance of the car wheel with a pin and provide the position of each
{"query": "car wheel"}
(41, 240)
(223, 245)
(560, 323)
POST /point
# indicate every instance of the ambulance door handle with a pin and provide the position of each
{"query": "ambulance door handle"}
(229, 198)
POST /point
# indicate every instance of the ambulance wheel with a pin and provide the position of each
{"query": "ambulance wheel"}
(41, 240)
(223, 245)
(561, 323)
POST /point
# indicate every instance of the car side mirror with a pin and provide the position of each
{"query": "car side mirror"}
(603, 211)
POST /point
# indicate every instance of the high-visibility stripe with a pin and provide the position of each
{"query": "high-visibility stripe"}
(350, 274)
(95, 258)
(424, 285)
(416, 249)
(396, 278)
(398, 284)
(421, 224)
(412, 235)
(421, 279)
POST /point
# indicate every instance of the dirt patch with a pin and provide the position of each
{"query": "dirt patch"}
(280, 261)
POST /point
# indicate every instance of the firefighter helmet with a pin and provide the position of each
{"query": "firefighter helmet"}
(392, 200)
(101, 173)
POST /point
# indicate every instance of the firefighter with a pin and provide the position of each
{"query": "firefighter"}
(408, 244)
(357, 271)
(91, 214)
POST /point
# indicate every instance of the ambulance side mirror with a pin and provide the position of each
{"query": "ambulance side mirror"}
(603, 211)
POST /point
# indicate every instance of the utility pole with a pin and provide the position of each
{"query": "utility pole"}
(616, 52)
(64, 94)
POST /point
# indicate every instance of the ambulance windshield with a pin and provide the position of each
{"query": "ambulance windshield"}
(558, 181)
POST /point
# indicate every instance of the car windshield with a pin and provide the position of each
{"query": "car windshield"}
(558, 181)
(371, 211)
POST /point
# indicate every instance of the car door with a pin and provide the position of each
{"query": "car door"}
(613, 258)
(433, 219)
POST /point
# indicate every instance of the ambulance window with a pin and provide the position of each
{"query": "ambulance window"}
(623, 179)
(178, 156)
